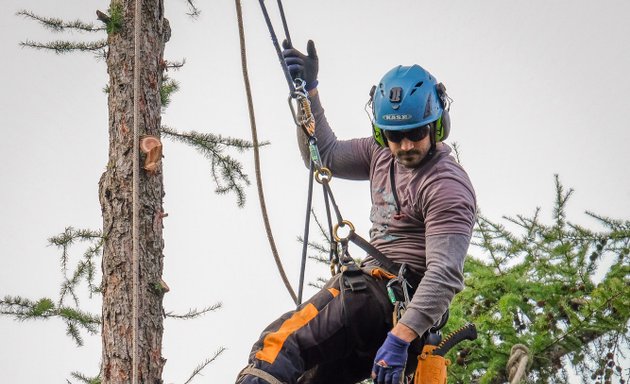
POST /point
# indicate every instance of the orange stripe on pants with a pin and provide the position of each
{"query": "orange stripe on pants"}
(273, 342)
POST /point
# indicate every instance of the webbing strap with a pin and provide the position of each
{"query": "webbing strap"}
(386, 262)
(250, 370)
(309, 204)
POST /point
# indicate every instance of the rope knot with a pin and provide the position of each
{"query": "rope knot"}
(517, 363)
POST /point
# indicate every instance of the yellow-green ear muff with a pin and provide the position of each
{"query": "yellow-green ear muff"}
(379, 137)
(442, 127)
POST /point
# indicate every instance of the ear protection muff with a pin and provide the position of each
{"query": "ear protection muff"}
(443, 124)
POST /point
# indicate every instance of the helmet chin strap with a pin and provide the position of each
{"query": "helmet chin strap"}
(433, 146)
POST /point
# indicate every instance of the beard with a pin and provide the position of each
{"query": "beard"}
(411, 158)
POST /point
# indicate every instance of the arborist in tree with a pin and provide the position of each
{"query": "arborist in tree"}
(423, 212)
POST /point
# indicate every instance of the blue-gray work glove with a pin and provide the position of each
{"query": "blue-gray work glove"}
(389, 363)
(301, 65)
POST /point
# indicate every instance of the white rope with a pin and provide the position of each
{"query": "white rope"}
(136, 192)
(517, 363)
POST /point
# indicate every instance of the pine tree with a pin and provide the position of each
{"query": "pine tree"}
(116, 197)
(114, 242)
(560, 289)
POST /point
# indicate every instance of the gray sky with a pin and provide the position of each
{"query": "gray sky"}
(539, 88)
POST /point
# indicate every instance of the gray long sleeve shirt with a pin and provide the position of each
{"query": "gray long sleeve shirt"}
(437, 206)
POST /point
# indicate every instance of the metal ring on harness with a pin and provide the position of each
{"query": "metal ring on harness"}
(324, 175)
(342, 224)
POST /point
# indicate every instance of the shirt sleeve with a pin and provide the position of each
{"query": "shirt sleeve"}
(443, 278)
(348, 159)
(448, 204)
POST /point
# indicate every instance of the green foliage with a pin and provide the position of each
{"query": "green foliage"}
(197, 371)
(227, 172)
(85, 379)
(546, 287)
(83, 273)
(24, 309)
(194, 313)
(85, 269)
(62, 46)
(58, 25)
(115, 21)
(168, 87)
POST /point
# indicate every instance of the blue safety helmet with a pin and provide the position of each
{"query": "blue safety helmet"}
(408, 97)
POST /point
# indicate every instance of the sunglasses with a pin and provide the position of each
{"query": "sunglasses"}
(414, 134)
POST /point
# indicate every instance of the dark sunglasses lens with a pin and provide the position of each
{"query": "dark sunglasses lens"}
(394, 136)
(418, 133)
(415, 134)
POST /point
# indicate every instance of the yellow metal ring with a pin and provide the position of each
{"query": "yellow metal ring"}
(323, 174)
(342, 224)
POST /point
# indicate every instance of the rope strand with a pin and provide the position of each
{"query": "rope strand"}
(252, 120)
(517, 363)
(136, 192)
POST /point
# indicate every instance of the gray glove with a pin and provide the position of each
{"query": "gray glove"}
(300, 65)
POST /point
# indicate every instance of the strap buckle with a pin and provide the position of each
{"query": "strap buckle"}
(353, 277)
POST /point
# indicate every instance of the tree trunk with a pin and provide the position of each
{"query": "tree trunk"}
(116, 201)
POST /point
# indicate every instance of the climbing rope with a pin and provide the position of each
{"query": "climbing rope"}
(252, 120)
(517, 363)
(136, 193)
(303, 118)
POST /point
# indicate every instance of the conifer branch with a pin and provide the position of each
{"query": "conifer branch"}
(226, 171)
(85, 379)
(197, 371)
(167, 89)
(59, 25)
(85, 269)
(193, 10)
(546, 297)
(175, 65)
(62, 47)
(320, 248)
(24, 309)
(319, 283)
(194, 313)
(68, 238)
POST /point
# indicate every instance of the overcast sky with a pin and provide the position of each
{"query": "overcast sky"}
(540, 88)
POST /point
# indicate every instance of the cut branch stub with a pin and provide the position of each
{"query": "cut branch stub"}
(152, 148)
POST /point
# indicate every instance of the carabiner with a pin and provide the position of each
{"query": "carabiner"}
(343, 224)
(322, 175)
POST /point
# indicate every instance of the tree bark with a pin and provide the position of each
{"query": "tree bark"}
(115, 192)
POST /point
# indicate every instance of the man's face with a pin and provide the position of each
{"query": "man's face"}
(409, 146)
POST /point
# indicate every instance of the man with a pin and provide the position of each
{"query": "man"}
(423, 212)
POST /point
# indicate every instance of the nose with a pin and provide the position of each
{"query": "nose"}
(406, 144)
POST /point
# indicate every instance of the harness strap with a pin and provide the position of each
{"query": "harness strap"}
(250, 370)
(385, 262)
(309, 204)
